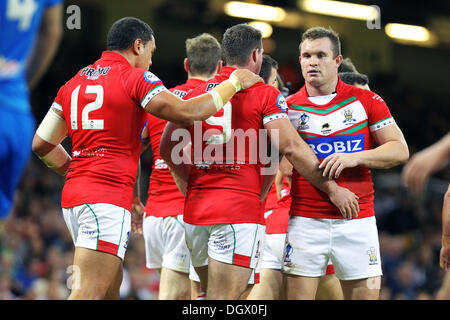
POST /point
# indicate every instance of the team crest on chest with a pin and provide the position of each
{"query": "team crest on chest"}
(348, 114)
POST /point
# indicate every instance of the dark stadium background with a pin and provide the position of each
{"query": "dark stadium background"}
(35, 246)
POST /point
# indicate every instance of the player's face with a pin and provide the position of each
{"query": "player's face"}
(145, 58)
(319, 66)
(273, 78)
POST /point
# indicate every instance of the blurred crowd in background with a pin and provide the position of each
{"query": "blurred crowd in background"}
(36, 250)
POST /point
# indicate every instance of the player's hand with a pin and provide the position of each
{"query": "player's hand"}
(335, 163)
(346, 201)
(247, 78)
(445, 258)
(137, 213)
(416, 172)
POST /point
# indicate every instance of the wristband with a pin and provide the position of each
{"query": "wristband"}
(218, 102)
(445, 241)
(235, 81)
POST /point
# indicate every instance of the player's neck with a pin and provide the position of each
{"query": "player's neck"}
(131, 58)
(248, 67)
(199, 77)
(321, 90)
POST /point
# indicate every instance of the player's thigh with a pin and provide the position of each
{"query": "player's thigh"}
(270, 286)
(174, 285)
(363, 260)
(362, 289)
(307, 247)
(299, 287)
(226, 281)
(94, 272)
(444, 291)
(100, 227)
(329, 288)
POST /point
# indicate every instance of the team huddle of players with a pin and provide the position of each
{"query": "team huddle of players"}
(218, 223)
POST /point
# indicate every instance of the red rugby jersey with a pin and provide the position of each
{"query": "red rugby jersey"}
(342, 125)
(103, 108)
(230, 192)
(164, 198)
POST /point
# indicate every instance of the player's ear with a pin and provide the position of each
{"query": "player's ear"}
(219, 67)
(338, 60)
(255, 55)
(186, 65)
(137, 46)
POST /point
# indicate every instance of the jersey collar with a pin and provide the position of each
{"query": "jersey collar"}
(339, 87)
(114, 56)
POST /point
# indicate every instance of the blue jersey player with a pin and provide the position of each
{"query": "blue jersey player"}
(30, 32)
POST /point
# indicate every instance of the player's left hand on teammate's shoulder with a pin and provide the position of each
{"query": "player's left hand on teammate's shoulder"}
(137, 213)
(335, 163)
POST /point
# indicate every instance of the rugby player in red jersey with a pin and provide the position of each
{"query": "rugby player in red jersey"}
(102, 110)
(224, 222)
(163, 230)
(341, 123)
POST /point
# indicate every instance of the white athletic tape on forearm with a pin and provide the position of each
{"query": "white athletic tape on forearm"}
(53, 128)
(235, 81)
(217, 99)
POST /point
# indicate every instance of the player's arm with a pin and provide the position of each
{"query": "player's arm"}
(285, 171)
(266, 184)
(392, 150)
(47, 142)
(175, 153)
(137, 208)
(426, 162)
(445, 250)
(46, 45)
(303, 159)
(168, 106)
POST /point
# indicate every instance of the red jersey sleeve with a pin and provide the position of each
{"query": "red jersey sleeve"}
(275, 106)
(378, 113)
(143, 86)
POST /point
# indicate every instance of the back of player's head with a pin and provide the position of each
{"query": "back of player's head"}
(125, 31)
(321, 32)
(238, 42)
(203, 53)
(347, 66)
(354, 77)
(266, 67)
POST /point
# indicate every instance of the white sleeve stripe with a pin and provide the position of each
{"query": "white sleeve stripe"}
(382, 124)
(57, 106)
(274, 116)
(151, 94)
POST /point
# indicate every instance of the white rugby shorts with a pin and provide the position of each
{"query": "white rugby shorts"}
(351, 245)
(239, 244)
(165, 244)
(99, 226)
(273, 255)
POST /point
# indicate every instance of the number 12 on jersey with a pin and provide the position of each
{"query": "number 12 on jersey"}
(86, 123)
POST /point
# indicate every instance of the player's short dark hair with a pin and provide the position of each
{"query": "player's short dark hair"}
(354, 77)
(203, 53)
(238, 42)
(125, 31)
(321, 32)
(347, 66)
(266, 67)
